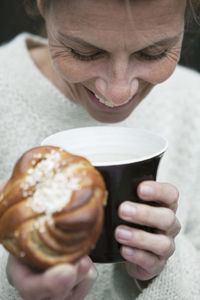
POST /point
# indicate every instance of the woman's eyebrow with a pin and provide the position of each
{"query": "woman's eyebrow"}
(166, 41)
(77, 40)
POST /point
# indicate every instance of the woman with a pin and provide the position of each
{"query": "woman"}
(101, 61)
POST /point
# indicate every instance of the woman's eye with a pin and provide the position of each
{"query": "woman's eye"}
(147, 56)
(84, 57)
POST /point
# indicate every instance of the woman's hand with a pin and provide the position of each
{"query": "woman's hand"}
(146, 253)
(63, 282)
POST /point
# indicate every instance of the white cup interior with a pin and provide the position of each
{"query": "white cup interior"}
(106, 145)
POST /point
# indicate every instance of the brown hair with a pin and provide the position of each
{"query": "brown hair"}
(191, 11)
(31, 7)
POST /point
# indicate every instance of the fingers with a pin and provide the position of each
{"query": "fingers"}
(85, 266)
(81, 290)
(161, 218)
(14, 264)
(143, 265)
(56, 283)
(163, 193)
(159, 244)
(37, 286)
(146, 253)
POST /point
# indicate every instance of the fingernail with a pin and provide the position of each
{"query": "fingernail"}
(92, 274)
(127, 210)
(123, 234)
(60, 270)
(127, 251)
(146, 190)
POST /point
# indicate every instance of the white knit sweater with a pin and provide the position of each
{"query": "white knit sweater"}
(31, 108)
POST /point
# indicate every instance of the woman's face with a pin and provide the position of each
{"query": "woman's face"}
(109, 54)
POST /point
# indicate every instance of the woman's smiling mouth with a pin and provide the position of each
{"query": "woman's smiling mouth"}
(107, 105)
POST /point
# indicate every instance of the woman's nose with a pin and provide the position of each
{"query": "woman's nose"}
(117, 87)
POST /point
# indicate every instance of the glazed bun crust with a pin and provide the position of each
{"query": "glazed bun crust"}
(51, 209)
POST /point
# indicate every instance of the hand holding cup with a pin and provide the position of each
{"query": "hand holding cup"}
(145, 252)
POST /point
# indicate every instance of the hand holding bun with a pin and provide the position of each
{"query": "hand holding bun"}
(51, 209)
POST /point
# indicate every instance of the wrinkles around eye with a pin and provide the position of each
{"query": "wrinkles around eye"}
(174, 54)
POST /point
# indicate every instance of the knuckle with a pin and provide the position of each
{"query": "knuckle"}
(170, 220)
(174, 195)
(144, 213)
(147, 261)
(169, 190)
(166, 246)
(138, 238)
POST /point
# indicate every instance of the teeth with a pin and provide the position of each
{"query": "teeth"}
(110, 104)
(104, 101)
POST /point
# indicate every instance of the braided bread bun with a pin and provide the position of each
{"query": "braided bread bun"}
(51, 209)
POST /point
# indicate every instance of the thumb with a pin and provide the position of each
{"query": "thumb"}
(83, 288)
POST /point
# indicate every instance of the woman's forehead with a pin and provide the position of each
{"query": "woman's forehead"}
(109, 13)
(115, 21)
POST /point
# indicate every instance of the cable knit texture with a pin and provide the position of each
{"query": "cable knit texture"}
(31, 108)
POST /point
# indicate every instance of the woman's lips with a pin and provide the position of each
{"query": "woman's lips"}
(105, 107)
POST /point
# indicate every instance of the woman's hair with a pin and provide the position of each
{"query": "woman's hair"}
(31, 7)
(192, 10)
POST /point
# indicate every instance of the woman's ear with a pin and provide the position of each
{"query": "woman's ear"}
(40, 7)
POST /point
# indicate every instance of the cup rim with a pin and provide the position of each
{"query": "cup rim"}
(79, 130)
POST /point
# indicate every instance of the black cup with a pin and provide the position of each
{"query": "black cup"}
(121, 182)
(125, 157)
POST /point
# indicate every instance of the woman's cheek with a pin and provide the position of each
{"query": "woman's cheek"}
(166, 70)
(69, 70)
(159, 71)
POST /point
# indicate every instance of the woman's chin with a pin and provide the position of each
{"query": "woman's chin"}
(106, 117)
